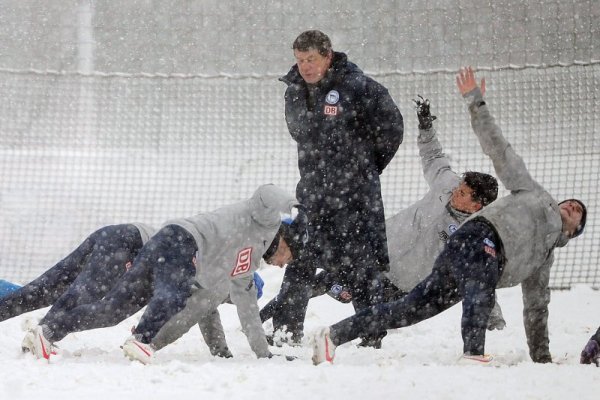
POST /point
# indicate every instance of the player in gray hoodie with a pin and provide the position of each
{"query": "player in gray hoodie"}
(222, 247)
(507, 243)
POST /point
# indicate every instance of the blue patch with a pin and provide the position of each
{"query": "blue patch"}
(452, 228)
(488, 242)
(336, 289)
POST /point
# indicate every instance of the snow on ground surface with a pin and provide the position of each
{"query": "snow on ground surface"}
(418, 362)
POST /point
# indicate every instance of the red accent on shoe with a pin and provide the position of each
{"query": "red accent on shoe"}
(45, 354)
(143, 349)
(327, 356)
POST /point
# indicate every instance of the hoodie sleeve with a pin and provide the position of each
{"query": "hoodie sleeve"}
(212, 331)
(385, 122)
(436, 166)
(201, 303)
(536, 297)
(243, 294)
(509, 166)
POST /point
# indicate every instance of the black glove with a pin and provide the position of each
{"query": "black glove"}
(591, 353)
(423, 113)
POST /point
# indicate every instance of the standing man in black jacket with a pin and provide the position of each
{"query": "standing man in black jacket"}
(347, 128)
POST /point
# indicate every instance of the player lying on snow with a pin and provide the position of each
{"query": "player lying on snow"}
(511, 241)
(416, 234)
(212, 251)
(84, 276)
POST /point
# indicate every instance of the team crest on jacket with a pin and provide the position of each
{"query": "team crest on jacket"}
(243, 263)
(331, 99)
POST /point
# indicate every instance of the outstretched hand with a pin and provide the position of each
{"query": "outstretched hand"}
(465, 80)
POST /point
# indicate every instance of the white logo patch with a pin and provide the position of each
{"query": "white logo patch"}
(452, 228)
(332, 97)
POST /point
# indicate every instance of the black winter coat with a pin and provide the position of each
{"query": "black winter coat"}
(347, 128)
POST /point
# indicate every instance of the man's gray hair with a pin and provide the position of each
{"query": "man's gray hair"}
(313, 39)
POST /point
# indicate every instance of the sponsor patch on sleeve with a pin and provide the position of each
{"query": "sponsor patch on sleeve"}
(243, 262)
(489, 247)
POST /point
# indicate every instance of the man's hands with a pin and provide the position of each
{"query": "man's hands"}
(465, 80)
(424, 113)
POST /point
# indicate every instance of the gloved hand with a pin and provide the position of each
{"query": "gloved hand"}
(496, 323)
(221, 352)
(496, 319)
(591, 353)
(340, 293)
(424, 113)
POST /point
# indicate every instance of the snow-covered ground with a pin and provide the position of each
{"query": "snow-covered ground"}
(416, 362)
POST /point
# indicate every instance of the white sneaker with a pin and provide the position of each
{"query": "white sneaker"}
(27, 342)
(323, 347)
(485, 360)
(37, 343)
(138, 351)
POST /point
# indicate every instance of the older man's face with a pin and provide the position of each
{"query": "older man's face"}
(312, 65)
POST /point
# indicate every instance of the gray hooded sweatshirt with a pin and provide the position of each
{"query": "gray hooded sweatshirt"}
(231, 242)
(417, 234)
(528, 223)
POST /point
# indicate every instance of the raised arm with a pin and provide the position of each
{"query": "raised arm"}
(436, 166)
(509, 166)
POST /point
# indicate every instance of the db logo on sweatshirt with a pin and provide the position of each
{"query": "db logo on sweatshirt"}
(243, 263)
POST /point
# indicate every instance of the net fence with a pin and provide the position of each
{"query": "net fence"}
(78, 152)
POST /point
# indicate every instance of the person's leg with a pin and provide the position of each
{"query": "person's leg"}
(477, 277)
(174, 248)
(391, 292)
(288, 308)
(48, 287)
(113, 252)
(436, 293)
(128, 296)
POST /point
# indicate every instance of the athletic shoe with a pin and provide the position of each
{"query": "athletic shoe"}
(27, 342)
(134, 349)
(323, 347)
(470, 359)
(37, 343)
